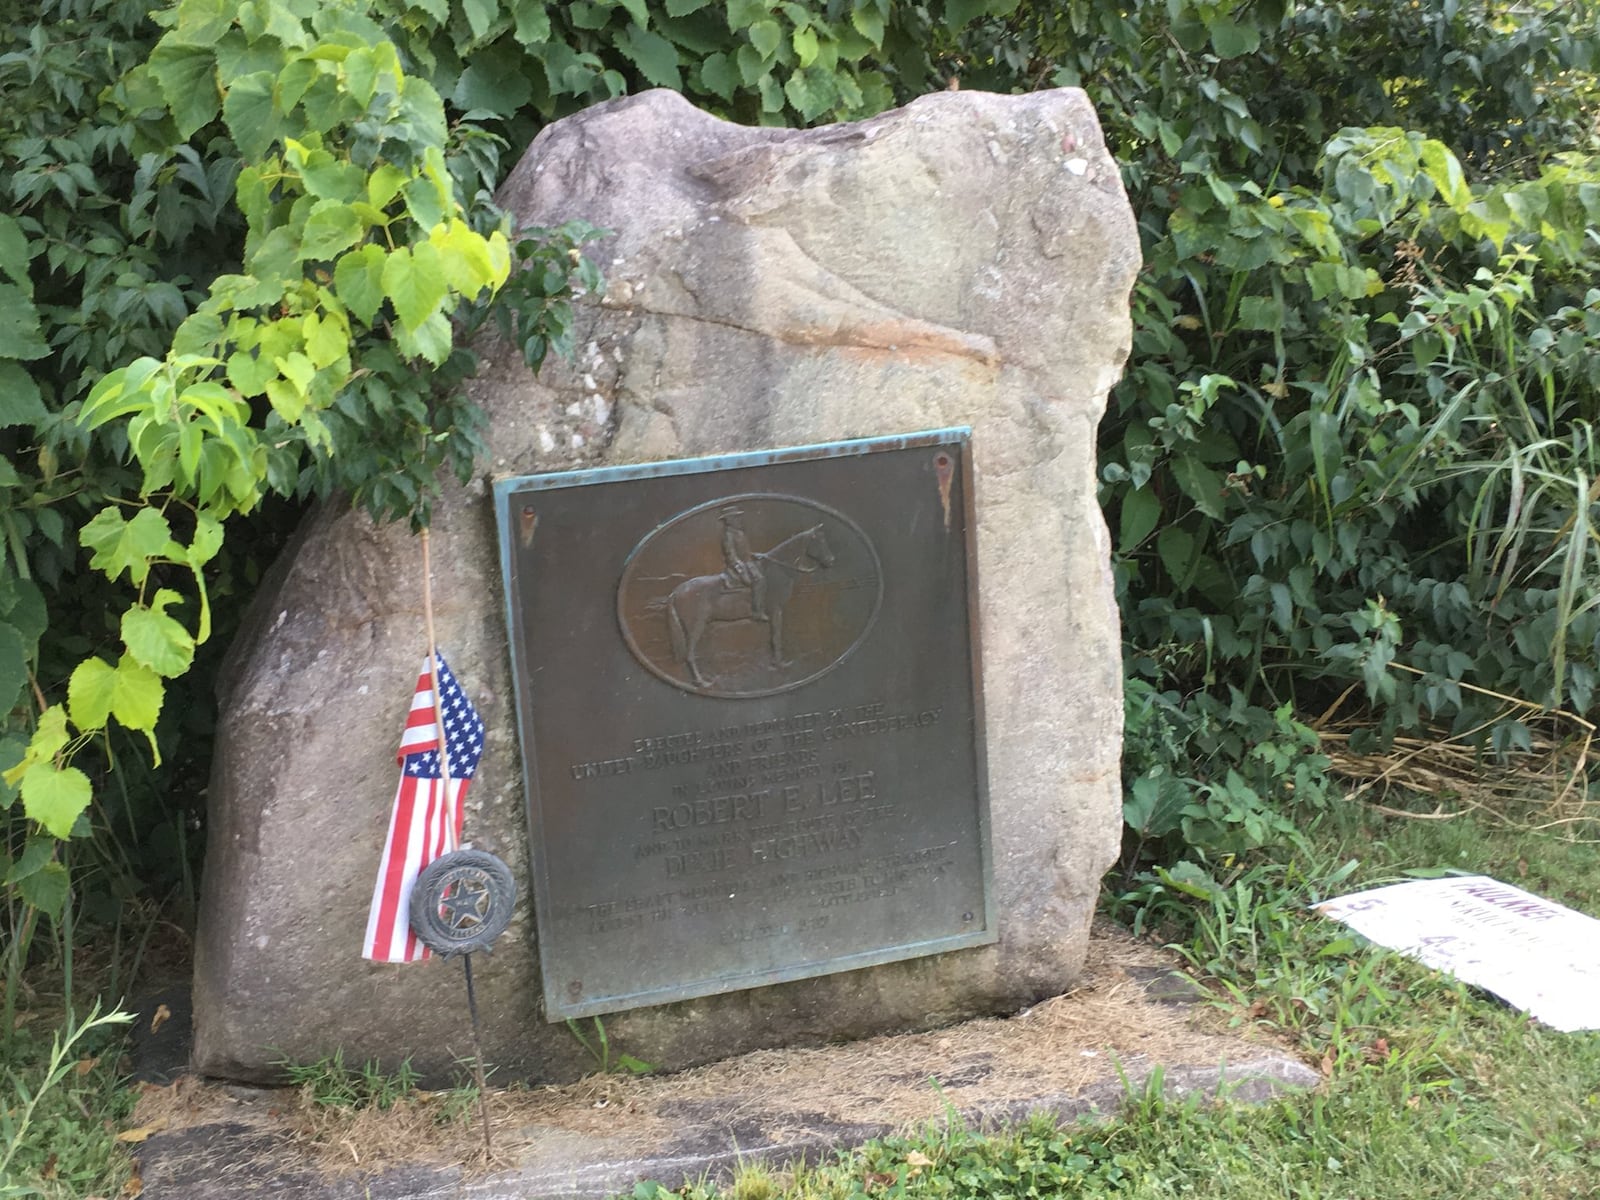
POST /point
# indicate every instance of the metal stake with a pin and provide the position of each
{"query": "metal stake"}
(477, 1058)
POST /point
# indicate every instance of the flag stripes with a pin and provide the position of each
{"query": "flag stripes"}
(426, 819)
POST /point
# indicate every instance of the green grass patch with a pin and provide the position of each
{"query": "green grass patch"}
(1432, 1089)
(62, 1100)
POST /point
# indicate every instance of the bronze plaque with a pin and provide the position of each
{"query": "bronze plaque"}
(751, 728)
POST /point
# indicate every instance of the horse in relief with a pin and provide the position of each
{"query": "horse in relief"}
(697, 603)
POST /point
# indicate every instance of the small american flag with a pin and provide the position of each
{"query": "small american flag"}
(426, 822)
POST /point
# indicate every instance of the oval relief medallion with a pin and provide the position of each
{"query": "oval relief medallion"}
(749, 595)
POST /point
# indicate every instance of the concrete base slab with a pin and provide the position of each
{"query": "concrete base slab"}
(230, 1160)
(1075, 1056)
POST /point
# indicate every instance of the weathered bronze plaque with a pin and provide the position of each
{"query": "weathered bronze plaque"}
(751, 727)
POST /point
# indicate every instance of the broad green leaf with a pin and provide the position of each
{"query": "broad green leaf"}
(156, 640)
(481, 15)
(1141, 509)
(242, 292)
(326, 340)
(250, 372)
(24, 607)
(288, 401)
(464, 255)
(751, 64)
(34, 856)
(12, 751)
(499, 248)
(360, 74)
(1200, 484)
(89, 693)
(805, 45)
(298, 77)
(20, 402)
(202, 22)
(137, 696)
(1282, 606)
(1261, 312)
(297, 369)
(1179, 554)
(1155, 805)
(207, 540)
(358, 281)
(868, 22)
(47, 888)
(958, 13)
(14, 254)
(384, 184)
(238, 55)
(331, 229)
(19, 326)
(1231, 39)
(765, 36)
(1444, 170)
(49, 738)
(55, 797)
(493, 85)
(718, 75)
(330, 178)
(120, 545)
(200, 334)
(809, 93)
(656, 58)
(682, 8)
(426, 201)
(1188, 30)
(1190, 879)
(13, 666)
(771, 94)
(414, 281)
(744, 13)
(250, 114)
(187, 77)
(210, 397)
(533, 22)
(431, 339)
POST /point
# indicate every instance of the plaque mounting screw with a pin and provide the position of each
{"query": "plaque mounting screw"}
(943, 471)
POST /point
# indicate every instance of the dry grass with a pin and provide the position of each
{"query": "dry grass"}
(1058, 1047)
(1541, 789)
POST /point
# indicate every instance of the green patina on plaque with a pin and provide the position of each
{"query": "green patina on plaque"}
(751, 727)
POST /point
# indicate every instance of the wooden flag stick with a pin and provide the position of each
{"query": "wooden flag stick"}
(433, 662)
(444, 782)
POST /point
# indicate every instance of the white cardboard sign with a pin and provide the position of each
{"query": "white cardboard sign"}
(1536, 955)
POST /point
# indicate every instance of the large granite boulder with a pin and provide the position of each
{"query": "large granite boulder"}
(965, 260)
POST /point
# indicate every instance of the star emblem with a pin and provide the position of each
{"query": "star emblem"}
(465, 906)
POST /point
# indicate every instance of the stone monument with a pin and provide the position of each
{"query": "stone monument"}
(965, 261)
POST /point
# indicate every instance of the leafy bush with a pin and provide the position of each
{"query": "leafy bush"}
(1356, 431)
(245, 245)
(258, 209)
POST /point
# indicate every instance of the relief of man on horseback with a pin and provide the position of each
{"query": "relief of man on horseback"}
(754, 586)
(743, 571)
